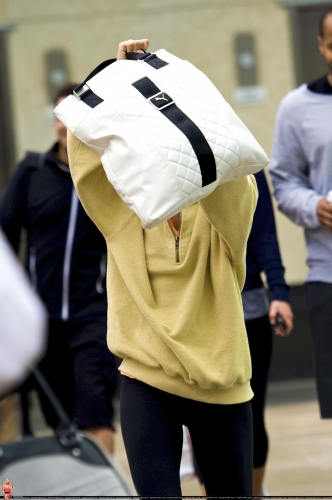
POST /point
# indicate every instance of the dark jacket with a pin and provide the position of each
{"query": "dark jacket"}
(263, 249)
(66, 254)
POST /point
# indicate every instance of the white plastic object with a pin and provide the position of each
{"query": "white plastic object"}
(329, 197)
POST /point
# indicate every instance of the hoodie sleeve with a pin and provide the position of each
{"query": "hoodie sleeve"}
(263, 247)
(289, 171)
(97, 195)
(230, 209)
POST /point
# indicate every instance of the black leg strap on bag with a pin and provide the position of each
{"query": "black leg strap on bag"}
(165, 105)
(67, 430)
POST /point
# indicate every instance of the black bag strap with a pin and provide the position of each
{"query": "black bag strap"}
(164, 103)
(134, 56)
(151, 59)
(97, 70)
(82, 91)
(67, 430)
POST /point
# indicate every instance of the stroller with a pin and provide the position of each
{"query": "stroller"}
(64, 465)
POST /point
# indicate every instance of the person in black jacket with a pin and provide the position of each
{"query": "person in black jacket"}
(263, 255)
(66, 260)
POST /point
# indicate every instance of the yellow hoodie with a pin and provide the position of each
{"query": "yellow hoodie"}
(175, 316)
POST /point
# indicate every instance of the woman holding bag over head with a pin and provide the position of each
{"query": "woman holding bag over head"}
(175, 318)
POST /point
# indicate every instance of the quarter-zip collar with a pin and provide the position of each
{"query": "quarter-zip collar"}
(185, 234)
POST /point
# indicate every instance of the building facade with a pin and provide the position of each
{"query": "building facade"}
(254, 51)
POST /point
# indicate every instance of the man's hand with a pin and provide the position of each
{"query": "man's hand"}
(285, 311)
(131, 46)
(324, 213)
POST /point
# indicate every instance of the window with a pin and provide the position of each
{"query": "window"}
(246, 60)
(7, 148)
(56, 72)
(308, 62)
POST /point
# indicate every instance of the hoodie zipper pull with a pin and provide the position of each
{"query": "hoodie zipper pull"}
(177, 254)
(176, 234)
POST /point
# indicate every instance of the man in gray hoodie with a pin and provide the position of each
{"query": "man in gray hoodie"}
(301, 172)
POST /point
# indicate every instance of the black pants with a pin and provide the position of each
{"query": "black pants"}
(319, 306)
(82, 372)
(259, 333)
(151, 423)
(260, 336)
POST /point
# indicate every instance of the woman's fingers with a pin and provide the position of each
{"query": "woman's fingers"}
(131, 46)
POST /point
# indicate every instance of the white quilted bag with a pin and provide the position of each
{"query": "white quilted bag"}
(165, 135)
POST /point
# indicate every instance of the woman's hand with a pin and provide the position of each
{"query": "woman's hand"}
(131, 46)
(285, 311)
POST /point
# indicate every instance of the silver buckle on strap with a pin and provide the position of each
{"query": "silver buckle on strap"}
(79, 91)
(160, 97)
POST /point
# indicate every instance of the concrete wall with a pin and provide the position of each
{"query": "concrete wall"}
(201, 31)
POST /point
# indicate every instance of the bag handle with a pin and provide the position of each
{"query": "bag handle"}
(97, 70)
(134, 56)
(151, 59)
(83, 92)
(131, 55)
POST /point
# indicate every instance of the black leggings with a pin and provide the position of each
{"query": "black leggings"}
(260, 343)
(151, 423)
(259, 333)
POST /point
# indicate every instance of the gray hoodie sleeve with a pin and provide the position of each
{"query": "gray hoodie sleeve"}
(289, 168)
